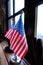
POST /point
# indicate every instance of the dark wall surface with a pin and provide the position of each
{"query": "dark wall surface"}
(30, 25)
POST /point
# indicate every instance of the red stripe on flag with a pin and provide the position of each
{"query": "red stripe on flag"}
(14, 39)
(13, 35)
(8, 33)
(22, 50)
(19, 45)
(18, 41)
(24, 54)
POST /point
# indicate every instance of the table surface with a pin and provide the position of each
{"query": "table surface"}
(5, 57)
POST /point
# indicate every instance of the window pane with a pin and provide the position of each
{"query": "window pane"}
(10, 23)
(40, 22)
(10, 8)
(19, 4)
(17, 18)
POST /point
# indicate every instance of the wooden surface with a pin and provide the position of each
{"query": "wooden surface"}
(3, 60)
(5, 57)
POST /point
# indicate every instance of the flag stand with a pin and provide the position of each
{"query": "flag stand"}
(15, 59)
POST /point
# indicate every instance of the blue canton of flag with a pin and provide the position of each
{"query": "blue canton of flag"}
(19, 26)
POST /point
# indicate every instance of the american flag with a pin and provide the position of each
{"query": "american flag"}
(18, 40)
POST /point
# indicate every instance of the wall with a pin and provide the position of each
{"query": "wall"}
(2, 19)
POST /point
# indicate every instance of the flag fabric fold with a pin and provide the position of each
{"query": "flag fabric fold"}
(17, 39)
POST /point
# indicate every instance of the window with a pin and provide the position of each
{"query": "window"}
(10, 12)
(39, 20)
(14, 6)
(19, 4)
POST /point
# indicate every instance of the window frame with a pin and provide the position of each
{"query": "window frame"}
(15, 14)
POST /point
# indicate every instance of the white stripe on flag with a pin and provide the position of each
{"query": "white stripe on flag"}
(24, 51)
(21, 48)
(12, 36)
(14, 39)
(19, 43)
(8, 34)
(17, 40)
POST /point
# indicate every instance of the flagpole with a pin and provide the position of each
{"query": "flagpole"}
(21, 13)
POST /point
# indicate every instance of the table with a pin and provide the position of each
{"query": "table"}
(3, 60)
(5, 57)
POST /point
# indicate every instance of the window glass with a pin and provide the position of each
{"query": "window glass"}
(17, 18)
(10, 8)
(19, 4)
(40, 22)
